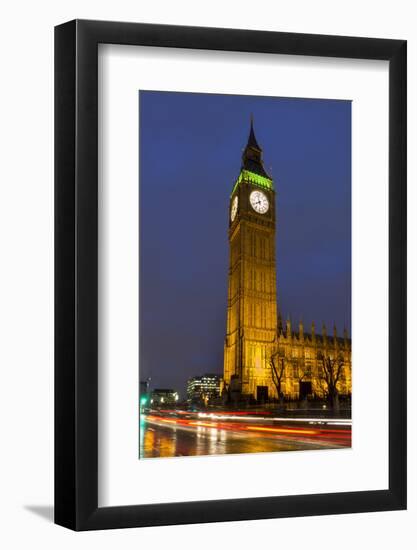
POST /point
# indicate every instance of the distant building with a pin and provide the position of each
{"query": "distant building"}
(204, 388)
(164, 397)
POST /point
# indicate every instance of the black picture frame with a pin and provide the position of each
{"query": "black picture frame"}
(76, 273)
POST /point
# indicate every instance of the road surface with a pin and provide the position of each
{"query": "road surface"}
(180, 433)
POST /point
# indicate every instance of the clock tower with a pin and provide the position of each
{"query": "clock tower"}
(251, 331)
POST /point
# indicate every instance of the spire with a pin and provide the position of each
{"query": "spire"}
(345, 337)
(301, 329)
(252, 139)
(252, 170)
(288, 331)
(279, 322)
(252, 155)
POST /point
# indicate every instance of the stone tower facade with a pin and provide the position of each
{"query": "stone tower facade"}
(252, 298)
(263, 359)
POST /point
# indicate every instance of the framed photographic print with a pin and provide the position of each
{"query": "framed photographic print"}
(230, 275)
(243, 379)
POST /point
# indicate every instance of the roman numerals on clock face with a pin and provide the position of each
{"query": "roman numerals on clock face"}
(259, 202)
(233, 211)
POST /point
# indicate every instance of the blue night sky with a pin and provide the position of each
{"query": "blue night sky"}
(190, 157)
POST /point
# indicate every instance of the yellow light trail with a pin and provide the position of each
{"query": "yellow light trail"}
(206, 424)
(282, 430)
(158, 419)
(235, 427)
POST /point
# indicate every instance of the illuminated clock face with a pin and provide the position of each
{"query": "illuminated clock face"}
(259, 202)
(233, 211)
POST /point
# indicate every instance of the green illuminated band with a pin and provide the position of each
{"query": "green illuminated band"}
(253, 178)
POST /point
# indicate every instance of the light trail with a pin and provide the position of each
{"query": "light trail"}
(282, 430)
(255, 416)
(319, 435)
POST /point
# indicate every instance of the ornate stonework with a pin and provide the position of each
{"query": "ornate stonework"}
(261, 358)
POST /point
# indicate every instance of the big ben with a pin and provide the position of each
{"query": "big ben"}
(252, 324)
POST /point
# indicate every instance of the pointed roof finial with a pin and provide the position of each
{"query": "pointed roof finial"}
(252, 139)
(301, 328)
(252, 168)
(279, 322)
(288, 328)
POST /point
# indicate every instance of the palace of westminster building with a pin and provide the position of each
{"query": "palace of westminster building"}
(264, 359)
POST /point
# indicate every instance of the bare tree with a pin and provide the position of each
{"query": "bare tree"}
(302, 370)
(329, 376)
(277, 364)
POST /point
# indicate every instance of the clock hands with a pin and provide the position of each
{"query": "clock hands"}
(259, 202)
